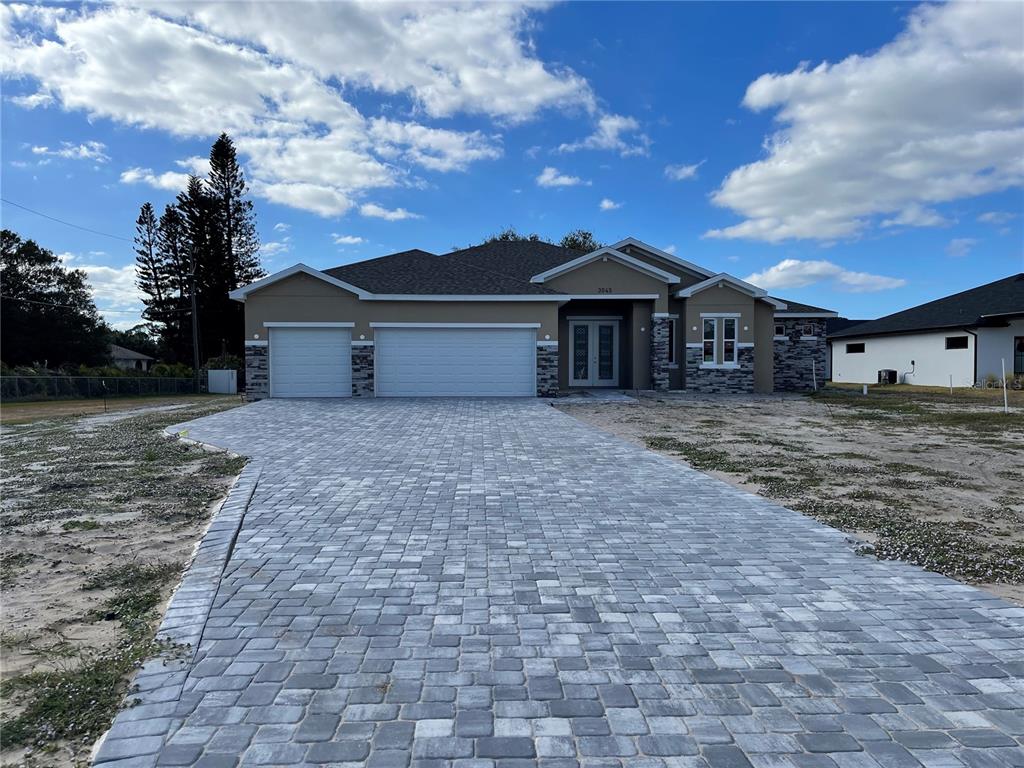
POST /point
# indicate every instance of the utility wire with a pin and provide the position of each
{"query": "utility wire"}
(61, 221)
(72, 306)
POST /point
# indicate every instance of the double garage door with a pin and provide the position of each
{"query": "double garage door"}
(409, 362)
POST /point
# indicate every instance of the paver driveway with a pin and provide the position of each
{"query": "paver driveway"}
(477, 583)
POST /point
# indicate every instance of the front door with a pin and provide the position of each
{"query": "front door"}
(595, 353)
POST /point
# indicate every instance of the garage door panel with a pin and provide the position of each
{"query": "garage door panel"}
(416, 362)
(310, 362)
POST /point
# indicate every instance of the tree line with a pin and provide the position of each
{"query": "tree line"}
(201, 247)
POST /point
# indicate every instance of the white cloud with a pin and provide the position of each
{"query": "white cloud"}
(378, 212)
(275, 247)
(915, 215)
(960, 246)
(172, 181)
(997, 217)
(93, 151)
(609, 205)
(683, 172)
(934, 116)
(197, 166)
(610, 134)
(346, 239)
(550, 177)
(670, 249)
(113, 290)
(282, 227)
(797, 273)
(273, 79)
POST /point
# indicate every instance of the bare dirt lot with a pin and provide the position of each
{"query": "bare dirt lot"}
(926, 477)
(28, 412)
(99, 515)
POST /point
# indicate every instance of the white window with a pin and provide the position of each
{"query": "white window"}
(710, 337)
(672, 341)
(729, 340)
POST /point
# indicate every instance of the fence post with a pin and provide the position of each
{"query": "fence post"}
(1002, 365)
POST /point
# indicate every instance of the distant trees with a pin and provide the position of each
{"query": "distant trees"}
(46, 313)
(577, 239)
(203, 246)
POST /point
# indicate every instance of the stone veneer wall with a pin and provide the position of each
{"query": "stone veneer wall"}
(659, 353)
(362, 370)
(547, 370)
(257, 372)
(794, 355)
(720, 380)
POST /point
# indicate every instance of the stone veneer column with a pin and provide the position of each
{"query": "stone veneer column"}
(362, 369)
(547, 369)
(731, 381)
(257, 370)
(659, 353)
(798, 358)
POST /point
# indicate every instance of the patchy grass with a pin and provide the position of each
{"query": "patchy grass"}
(28, 412)
(97, 526)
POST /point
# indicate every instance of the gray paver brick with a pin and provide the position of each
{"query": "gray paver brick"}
(555, 596)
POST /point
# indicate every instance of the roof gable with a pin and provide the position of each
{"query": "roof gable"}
(239, 294)
(605, 254)
(723, 278)
(669, 259)
(968, 308)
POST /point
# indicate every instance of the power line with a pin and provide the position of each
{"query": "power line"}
(61, 221)
(73, 306)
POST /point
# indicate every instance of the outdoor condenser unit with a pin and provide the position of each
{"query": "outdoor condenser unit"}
(887, 376)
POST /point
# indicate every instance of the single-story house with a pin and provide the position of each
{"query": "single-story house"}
(960, 338)
(128, 359)
(832, 326)
(522, 319)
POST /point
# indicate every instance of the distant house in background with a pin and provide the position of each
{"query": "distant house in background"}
(964, 336)
(128, 359)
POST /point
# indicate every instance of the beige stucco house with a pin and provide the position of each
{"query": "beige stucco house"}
(522, 319)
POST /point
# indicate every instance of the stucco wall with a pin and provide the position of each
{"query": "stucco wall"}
(301, 298)
(764, 354)
(686, 278)
(933, 362)
(723, 300)
(611, 277)
(996, 343)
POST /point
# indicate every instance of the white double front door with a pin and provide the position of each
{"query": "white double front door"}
(594, 360)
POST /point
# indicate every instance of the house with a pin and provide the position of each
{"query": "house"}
(834, 325)
(522, 319)
(960, 338)
(128, 359)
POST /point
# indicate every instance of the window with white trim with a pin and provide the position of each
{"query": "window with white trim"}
(729, 340)
(780, 329)
(809, 329)
(710, 336)
(672, 340)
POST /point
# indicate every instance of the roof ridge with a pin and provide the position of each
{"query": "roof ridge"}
(503, 274)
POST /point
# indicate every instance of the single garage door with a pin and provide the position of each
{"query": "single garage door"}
(457, 362)
(310, 362)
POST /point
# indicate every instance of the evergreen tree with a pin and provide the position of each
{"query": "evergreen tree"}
(580, 240)
(234, 210)
(47, 315)
(151, 274)
(172, 247)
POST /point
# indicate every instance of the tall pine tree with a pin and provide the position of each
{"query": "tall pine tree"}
(237, 221)
(172, 247)
(151, 272)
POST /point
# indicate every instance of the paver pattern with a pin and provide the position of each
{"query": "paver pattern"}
(480, 583)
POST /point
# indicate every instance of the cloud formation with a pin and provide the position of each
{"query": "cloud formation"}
(610, 134)
(273, 79)
(798, 273)
(89, 150)
(375, 211)
(960, 246)
(608, 205)
(550, 177)
(683, 172)
(934, 116)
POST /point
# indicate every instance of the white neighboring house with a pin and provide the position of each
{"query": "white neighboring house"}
(963, 336)
(128, 359)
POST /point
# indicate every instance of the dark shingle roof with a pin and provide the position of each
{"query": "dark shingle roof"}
(123, 353)
(836, 324)
(968, 308)
(498, 268)
(796, 306)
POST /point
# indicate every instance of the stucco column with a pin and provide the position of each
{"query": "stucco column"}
(659, 353)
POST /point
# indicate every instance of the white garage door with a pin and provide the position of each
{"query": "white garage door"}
(310, 362)
(417, 362)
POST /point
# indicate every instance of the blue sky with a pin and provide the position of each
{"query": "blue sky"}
(862, 157)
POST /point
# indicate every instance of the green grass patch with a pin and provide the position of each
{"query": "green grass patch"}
(81, 525)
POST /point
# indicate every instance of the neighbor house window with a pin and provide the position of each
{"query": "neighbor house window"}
(672, 341)
(710, 333)
(809, 329)
(856, 348)
(780, 329)
(956, 342)
(729, 336)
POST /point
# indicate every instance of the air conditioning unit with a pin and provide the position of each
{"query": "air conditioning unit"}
(887, 376)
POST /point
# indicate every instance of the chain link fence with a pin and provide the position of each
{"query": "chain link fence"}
(14, 388)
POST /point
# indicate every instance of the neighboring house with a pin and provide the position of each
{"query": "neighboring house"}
(521, 319)
(128, 359)
(963, 336)
(834, 325)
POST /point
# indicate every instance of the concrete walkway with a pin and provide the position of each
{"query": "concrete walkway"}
(494, 583)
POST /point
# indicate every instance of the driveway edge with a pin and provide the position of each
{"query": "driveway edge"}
(139, 731)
